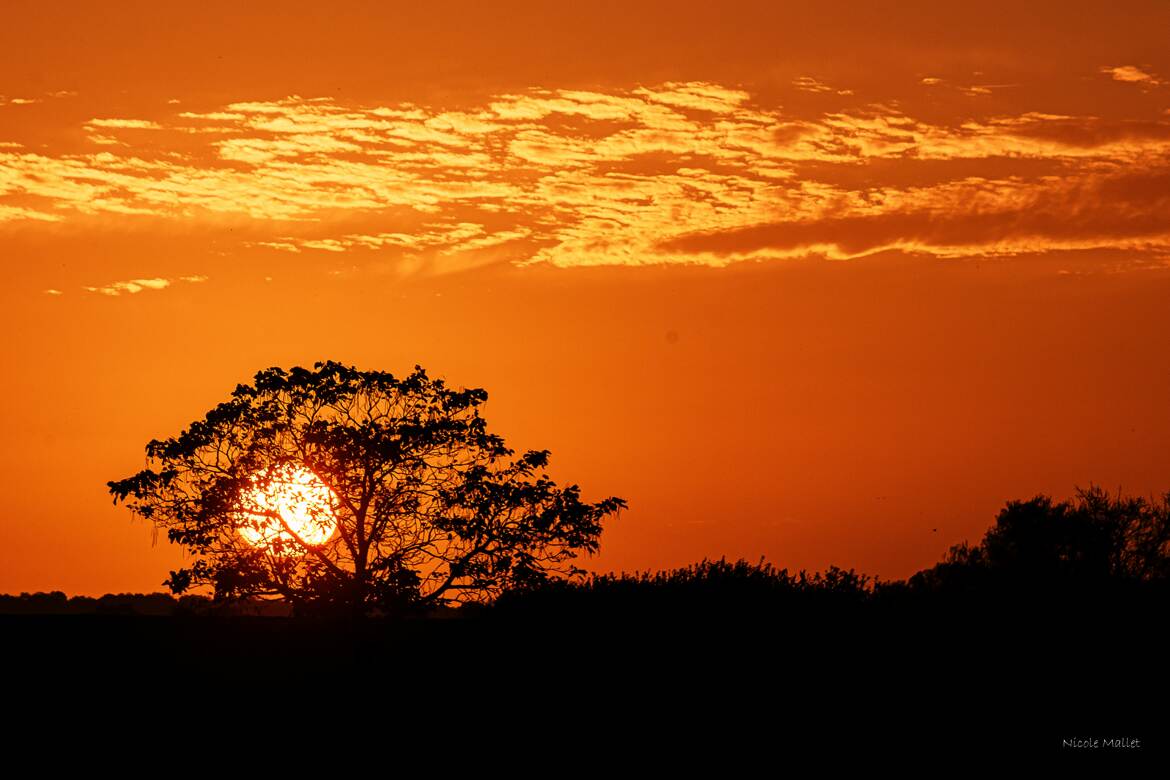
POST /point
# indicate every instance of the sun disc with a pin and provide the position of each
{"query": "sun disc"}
(287, 505)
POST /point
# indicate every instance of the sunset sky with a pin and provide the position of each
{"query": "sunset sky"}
(827, 286)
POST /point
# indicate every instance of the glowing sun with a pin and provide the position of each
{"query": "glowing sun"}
(283, 498)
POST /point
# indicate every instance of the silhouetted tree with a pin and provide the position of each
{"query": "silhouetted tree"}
(346, 490)
(1092, 542)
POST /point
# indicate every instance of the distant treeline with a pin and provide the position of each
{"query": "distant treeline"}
(160, 604)
(1094, 547)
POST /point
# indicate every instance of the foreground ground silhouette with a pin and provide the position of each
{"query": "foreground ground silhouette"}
(1049, 629)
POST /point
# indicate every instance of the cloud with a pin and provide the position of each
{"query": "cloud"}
(20, 101)
(696, 95)
(1131, 74)
(970, 90)
(683, 172)
(124, 124)
(19, 213)
(447, 239)
(809, 84)
(974, 217)
(134, 286)
(105, 140)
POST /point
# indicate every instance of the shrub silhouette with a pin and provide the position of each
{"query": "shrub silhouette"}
(1094, 542)
(706, 588)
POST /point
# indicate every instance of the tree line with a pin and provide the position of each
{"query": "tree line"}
(1096, 545)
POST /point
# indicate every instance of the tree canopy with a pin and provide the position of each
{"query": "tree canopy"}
(358, 491)
(1094, 541)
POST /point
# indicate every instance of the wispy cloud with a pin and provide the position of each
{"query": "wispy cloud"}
(970, 90)
(674, 173)
(810, 84)
(15, 213)
(6, 100)
(124, 124)
(1132, 75)
(447, 239)
(133, 286)
(971, 217)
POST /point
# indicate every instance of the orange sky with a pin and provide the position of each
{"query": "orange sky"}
(800, 284)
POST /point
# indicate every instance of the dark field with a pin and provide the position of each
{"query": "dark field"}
(1045, 639)
(984, 681)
